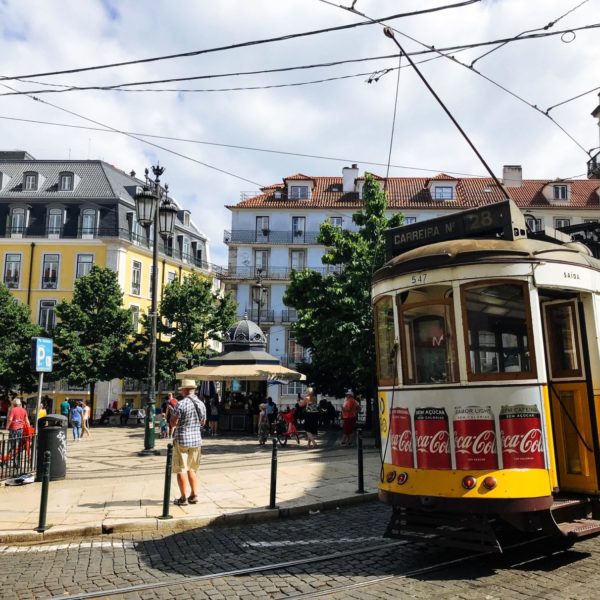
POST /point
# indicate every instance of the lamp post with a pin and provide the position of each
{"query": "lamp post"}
(260, 290)
(153, 207)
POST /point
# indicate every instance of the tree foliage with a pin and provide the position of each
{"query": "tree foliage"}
(191, 314)
(92, 331)
(16, 331)
(335, 317)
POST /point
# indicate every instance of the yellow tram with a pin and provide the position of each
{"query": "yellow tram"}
(488, 352)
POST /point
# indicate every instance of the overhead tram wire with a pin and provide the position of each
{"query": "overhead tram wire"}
(249, 148)
(387, 172)
(139, 139)
(243, 44)
(489, 79)
(428, 50)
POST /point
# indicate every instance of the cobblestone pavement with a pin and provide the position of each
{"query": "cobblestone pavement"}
(112, 562)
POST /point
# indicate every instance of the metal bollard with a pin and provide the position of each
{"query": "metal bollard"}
(167, 491)
(44, 499)
(361, 479)
(273, 475)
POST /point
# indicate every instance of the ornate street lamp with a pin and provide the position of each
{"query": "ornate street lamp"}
(153, 207)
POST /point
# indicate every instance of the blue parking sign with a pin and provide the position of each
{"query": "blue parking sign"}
(42, 354)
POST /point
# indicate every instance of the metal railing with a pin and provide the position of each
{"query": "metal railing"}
(266, 315)
(269, 236)
(17, 455)
(289, 315)
(278, 273)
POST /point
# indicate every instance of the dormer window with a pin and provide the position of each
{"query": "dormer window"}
(560, 192)
(299, 192)
(30, 182)
(65, 182)
(443, 192)
(186, 218)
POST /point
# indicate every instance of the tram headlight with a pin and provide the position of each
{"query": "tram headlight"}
(402, 478)
(490, 483)
(469, 482)
(391, 476)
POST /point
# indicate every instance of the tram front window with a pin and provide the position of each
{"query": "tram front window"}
(498, 330)
(428, 343)
(385, 336)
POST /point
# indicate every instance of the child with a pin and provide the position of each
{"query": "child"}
(263, 425)
(163, 426)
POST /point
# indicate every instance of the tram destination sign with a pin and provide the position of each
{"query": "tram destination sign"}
(501, 219)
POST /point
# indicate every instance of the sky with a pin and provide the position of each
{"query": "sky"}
(343, 121)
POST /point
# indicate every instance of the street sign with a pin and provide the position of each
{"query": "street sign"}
(41, 354)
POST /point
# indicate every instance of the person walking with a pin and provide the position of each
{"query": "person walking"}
(170, 413)
(213, 415)
(190, 416)
(85, 423)
(76, 420)
(311, 417)
(125, 414)
(271, 410)
(263, 425)
(349, 417)
(16, 422)
(65, 408)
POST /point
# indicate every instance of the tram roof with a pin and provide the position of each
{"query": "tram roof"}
(473, 251)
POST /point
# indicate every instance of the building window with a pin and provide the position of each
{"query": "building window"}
(590, 220)
(410, 220)
(298, 226)
(65, 182)
(185, 249)
(295, 352)
(55, 221)
(171, 275)
(50, 272)
(443, 192)
(262, 225)
(533, 223)
(88, 221)
(84, 265)
(30, 182)
(47, 318)
(336, 221)
(299, 192)
(298, 260)
(293, 388)
(559, 192)
(186, 218)
(136, 278)
(385, 335)
(12, 270)
(558, 223)
(135, 317)
(137, 234)
(261, 260)
(17, 221)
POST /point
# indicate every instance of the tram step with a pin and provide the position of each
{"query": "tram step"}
(571, 509)
(580, 528)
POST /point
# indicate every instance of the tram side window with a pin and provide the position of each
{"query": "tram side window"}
(385, 336)
(428, 344)
(498, 331)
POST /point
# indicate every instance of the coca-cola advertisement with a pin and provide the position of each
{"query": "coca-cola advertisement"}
(475, 438)
(401, 432)
(522, 440)
(433, 438)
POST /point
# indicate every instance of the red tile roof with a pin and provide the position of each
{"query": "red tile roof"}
(412, 192)
(299, 176)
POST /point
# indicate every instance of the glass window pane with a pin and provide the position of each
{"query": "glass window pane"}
(563, 344)
(385, 339)
(497, 329)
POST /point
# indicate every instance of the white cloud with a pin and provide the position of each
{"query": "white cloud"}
(348, 118)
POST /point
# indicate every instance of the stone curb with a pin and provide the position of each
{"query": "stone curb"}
(108, 526)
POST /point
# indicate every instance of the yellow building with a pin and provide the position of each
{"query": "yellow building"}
(58, 218)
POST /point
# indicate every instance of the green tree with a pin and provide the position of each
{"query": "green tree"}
(16, 331)
(335, 316)
(92, 331)
(190, 315)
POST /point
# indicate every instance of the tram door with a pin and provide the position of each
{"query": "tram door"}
(568, 394)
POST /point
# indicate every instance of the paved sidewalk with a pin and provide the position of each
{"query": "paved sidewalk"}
(110, 488)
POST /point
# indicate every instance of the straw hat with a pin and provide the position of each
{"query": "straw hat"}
(188, 384)
(349, 393)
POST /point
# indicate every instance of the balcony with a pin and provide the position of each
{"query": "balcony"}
(267, 315)
(269, 236)
(289, 315)
(266, 273)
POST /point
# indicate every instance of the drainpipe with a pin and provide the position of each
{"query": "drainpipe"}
(180, 269)
(162, 280)
(30, 275)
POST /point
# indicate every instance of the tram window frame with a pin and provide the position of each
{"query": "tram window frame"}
(407, 342)
(514, 327)
(551, 336)
(391, 348)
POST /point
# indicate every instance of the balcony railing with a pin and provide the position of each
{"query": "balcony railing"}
(276, 273)
(267, 315)
(289, 315)
(122, 234)
(269, 236)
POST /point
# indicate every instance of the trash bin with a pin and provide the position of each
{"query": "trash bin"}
(52, 436)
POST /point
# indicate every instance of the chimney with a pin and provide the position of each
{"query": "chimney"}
(512, 175)
(349, 175)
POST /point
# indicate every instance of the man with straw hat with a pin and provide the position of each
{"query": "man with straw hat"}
(189, 418)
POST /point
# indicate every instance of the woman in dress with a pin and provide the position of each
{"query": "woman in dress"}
(311, 417)
(86, 419)
(349, 417)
